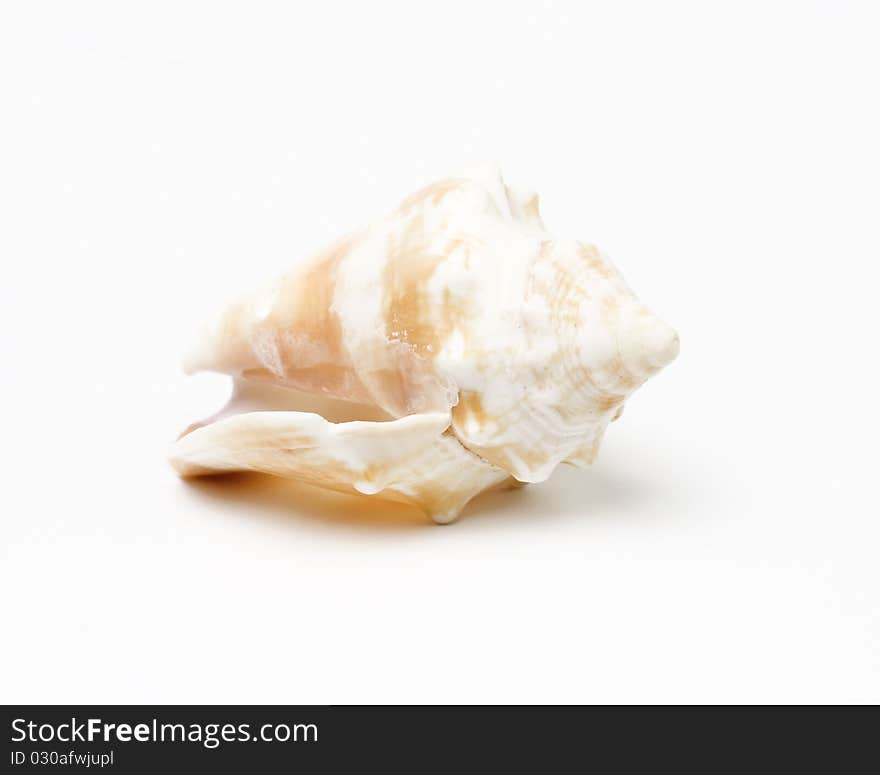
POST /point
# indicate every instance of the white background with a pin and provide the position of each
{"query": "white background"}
(157, 157)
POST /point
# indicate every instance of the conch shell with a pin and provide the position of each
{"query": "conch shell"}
(450, 347)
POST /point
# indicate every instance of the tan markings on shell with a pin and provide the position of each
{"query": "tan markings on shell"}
(532, 208)
(609, 401)
(308, 332)
(433, 193)
(406, 300)
(596, 261)
(512, 459)
(405, 304)
(470, 409)
(411, 320)
(455, 310)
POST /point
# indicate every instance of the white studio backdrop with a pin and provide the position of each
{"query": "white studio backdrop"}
(159, 157)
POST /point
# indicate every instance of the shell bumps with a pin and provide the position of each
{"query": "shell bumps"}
(450, 347)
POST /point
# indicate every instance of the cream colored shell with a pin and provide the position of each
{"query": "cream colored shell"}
(468, 345)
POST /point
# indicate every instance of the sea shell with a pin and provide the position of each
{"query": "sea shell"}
(450, 347)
